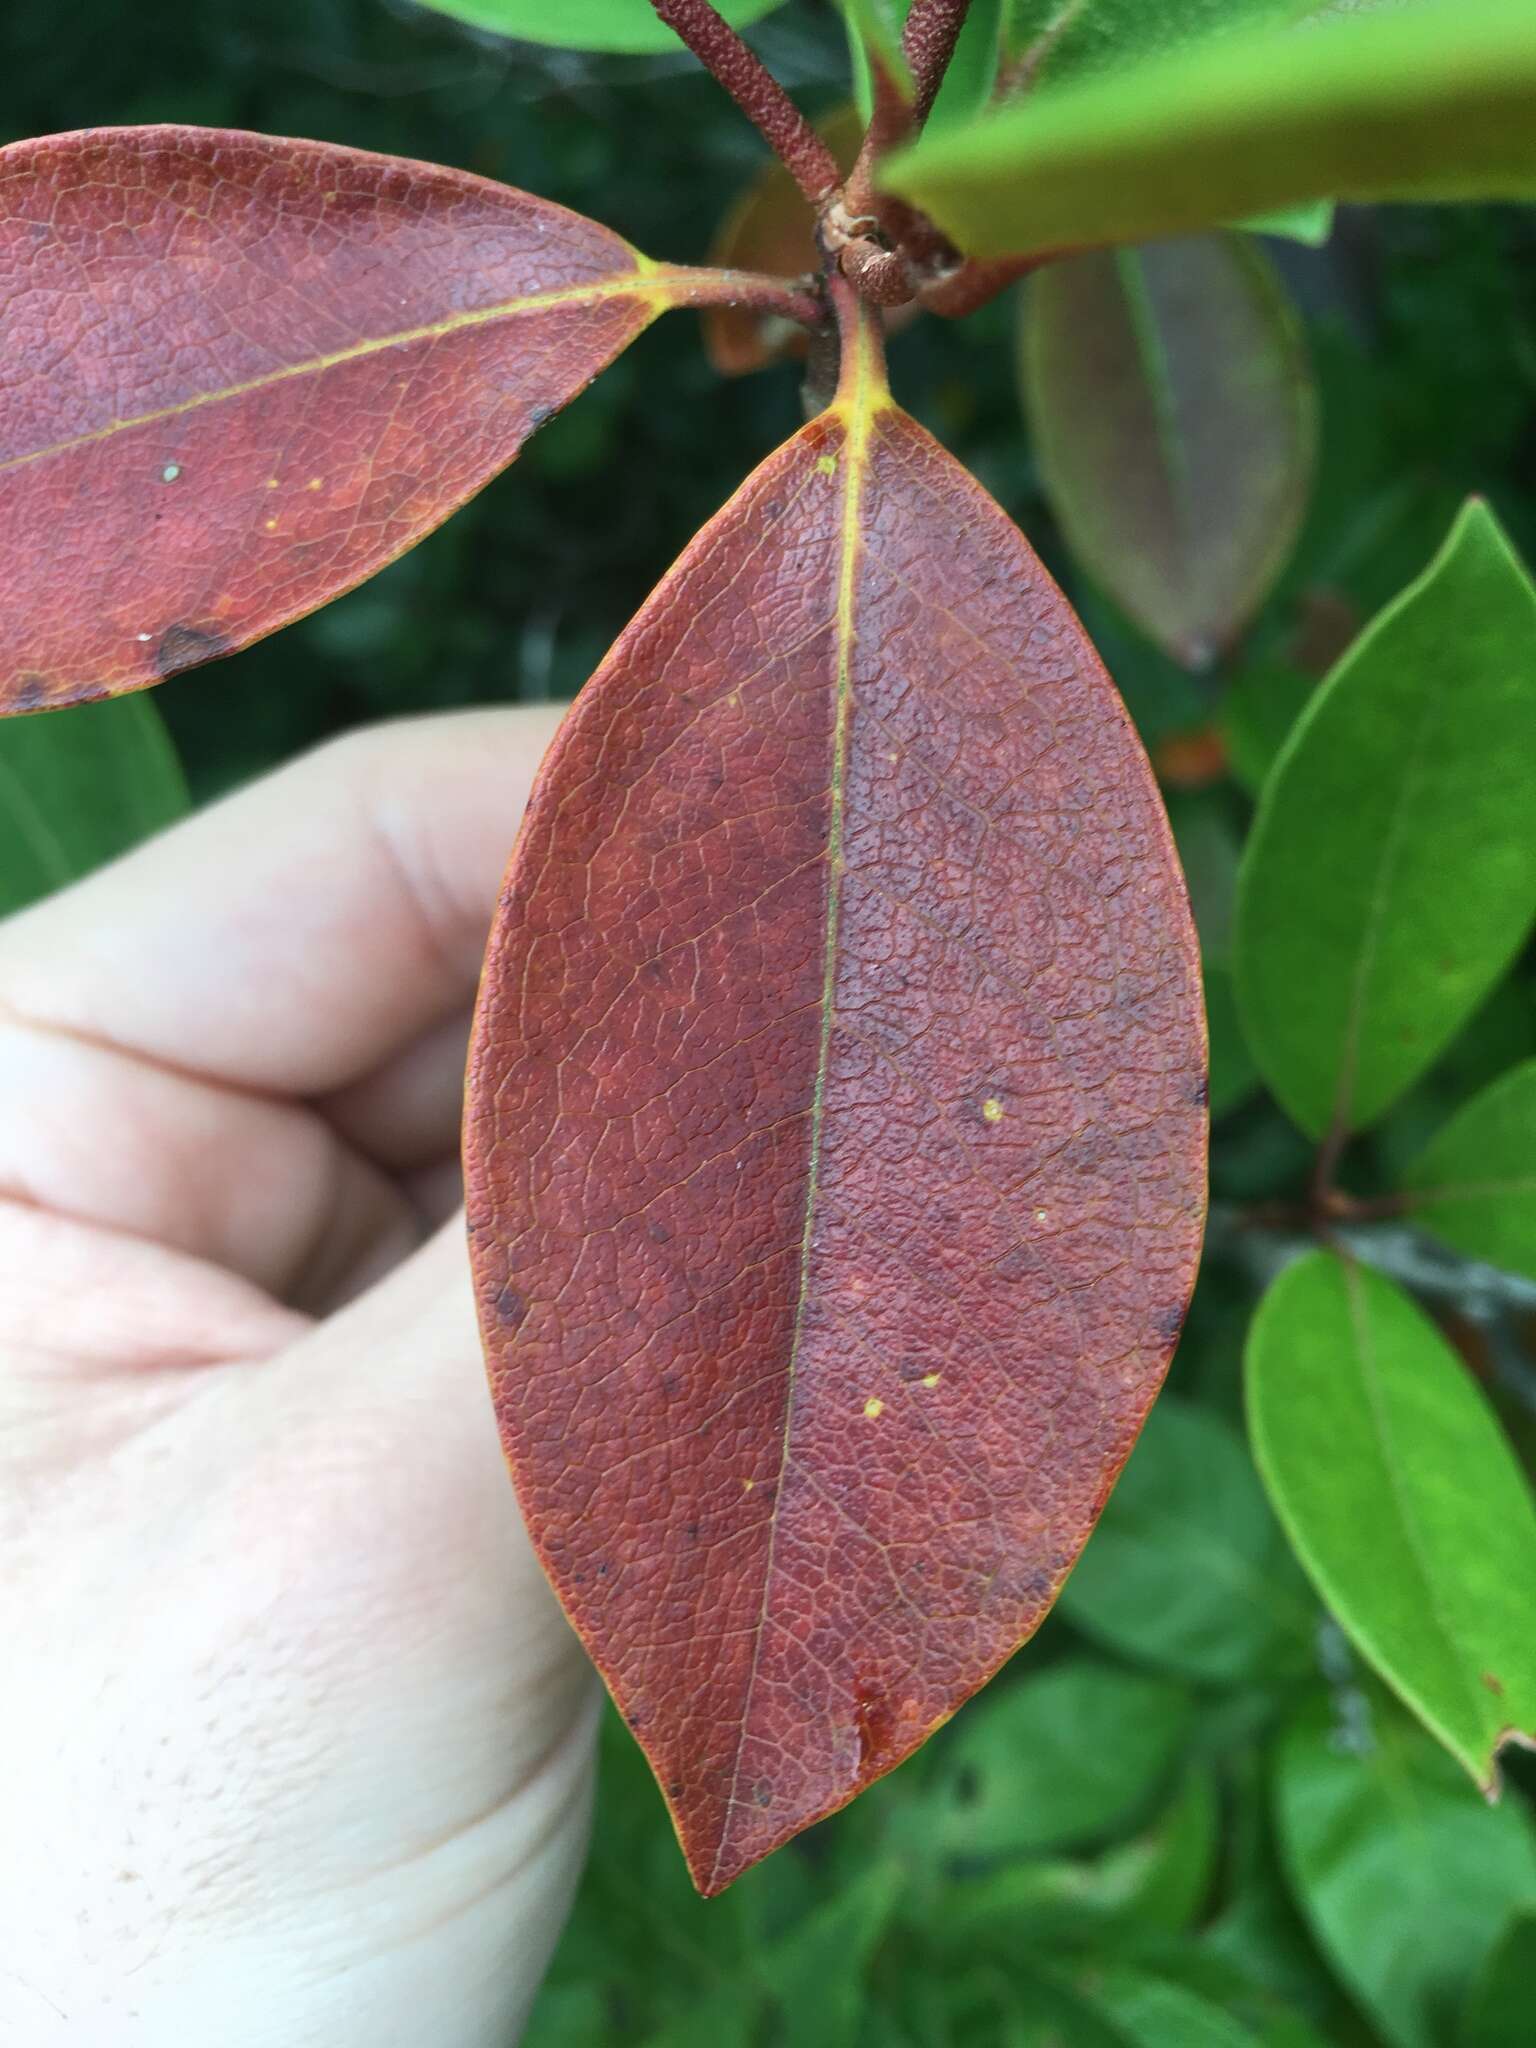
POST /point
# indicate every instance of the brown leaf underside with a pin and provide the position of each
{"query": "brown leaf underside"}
(239, 374)
(835, 1140)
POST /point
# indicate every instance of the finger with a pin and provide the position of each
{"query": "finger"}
(262, 1188)
(296, 936)
(406, 1114)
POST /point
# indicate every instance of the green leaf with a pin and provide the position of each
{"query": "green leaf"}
(1173, 417)
(1426, 102)
(79, 787)
(1056, 1759)
(1498, 2012)
(1054, 41)
(1402, 1871)
(1391, 872)
(1118, 2007)
(1155, 2014)
(807, 1986)
(1156, 1883)
(1310, 223)
(1263, 703)
(875, 26)
(1475, 1184)
(622, 26)
(1401, 1497)
(1187, 1570)
(972, 70)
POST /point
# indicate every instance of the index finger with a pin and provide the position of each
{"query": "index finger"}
(292, 937)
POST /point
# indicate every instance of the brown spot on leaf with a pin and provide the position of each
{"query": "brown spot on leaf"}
(1170, 1322)
(182, 647)
(30, 693)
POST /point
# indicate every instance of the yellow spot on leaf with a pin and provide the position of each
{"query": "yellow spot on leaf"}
(873, 1408)
(271, 483)
(931, 1379)
(1040, 1215)
(747, 1485)
(313, 484)
(827, 464)
(271, 526)
(992, 1110)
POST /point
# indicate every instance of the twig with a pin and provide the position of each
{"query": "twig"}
(928, 42)
(890, 123)
(757, 92)
(960, 290)
(750, 290)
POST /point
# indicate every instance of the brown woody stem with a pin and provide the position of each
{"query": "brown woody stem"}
(747, 288)
(890, 123)
(928, 42)
(958, 292)
(757, 92)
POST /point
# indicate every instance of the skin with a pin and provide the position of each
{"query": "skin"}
(297, 1744)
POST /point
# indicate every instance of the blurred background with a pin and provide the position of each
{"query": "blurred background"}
(1140, 1837)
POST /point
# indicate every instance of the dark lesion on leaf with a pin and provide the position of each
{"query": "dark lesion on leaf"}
(511, 1307)
(183, 646)
(1170, 1322)
(31, 693)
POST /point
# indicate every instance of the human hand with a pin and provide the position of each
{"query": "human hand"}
(296, 1743)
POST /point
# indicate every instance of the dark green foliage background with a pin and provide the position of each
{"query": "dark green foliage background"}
(1104, 1821)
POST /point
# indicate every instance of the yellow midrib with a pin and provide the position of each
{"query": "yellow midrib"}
(861, 396)
(648, 282)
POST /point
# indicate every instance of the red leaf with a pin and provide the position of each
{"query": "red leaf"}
(835, 1141)
(241, 374)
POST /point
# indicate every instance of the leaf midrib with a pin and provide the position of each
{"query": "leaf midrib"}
(858, 412)
(647, 283)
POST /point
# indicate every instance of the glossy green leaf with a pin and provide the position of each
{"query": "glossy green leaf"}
(623, 26)
(1391, 872)
(79, 787)
(1501, 2010)
(1404, 1874)
(1425, 102)
(1172, 415)
(1475, 1184)
(1187, 1570)
(1401, 1497)
(1054, 1760)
